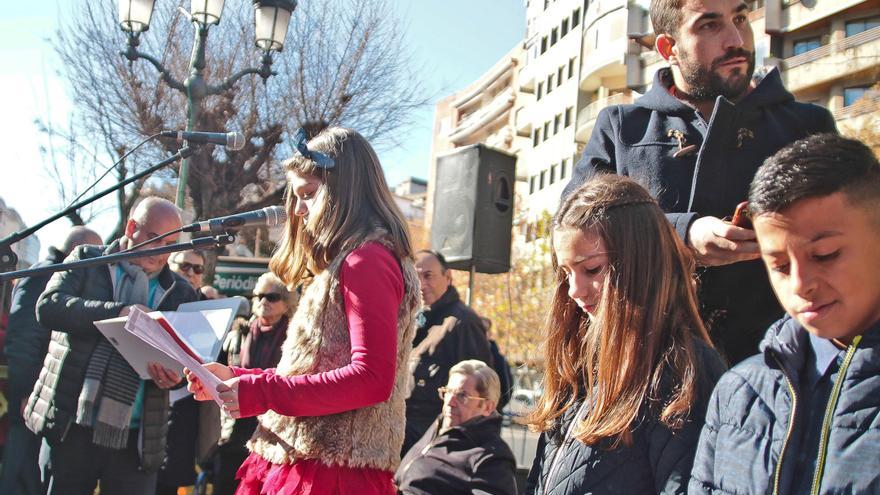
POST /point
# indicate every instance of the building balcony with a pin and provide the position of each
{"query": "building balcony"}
(483, 117)
(796, 14)
(526, 78)
(860, 114)
(586, 118)
(523, 122)
(604, 48)
(833, 61)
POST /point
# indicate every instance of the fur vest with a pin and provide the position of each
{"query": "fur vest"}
(317, 341)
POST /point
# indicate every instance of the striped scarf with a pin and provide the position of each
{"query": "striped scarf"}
(111, 385)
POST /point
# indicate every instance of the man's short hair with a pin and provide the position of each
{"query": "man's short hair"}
(816, 166)
(178, 257)
(440, 258)
(488, 384)
(666, 16)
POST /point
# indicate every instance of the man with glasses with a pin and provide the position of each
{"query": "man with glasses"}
(448, 332)
(462, 452)
(191, 265)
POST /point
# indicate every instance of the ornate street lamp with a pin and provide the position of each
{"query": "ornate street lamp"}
(271, 19)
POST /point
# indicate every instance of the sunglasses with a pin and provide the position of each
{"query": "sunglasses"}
(187, 266)
(271, 297)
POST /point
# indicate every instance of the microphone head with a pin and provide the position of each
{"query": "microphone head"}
(234, 140)
(275, 216)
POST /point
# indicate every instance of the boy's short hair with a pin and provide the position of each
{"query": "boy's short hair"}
(816, 166)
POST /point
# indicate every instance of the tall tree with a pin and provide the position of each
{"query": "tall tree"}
(344, 63)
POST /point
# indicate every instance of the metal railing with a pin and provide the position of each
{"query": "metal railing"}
(841, 45)
(866, 104)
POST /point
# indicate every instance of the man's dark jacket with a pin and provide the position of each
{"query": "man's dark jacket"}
(470, 458)
(639, 141)
(449, 332)
(26, 339)
(658, 461)
(749, 420)
(72, 301)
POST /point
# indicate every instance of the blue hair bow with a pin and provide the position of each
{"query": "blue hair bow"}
(320, 159)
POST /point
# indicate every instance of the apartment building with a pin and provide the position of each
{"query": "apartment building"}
(548, 119)
(484, 112)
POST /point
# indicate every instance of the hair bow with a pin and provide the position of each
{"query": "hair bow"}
(320, 159)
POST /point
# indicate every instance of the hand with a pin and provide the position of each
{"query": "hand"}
(163, 377)
(126, 310)
(229, 396)
(715, 242)
(196, 386)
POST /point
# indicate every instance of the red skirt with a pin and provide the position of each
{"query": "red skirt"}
(310, 477)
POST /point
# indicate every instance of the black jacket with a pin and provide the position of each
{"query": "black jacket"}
(470, 458)
(26, 339)
(449, 332)
(658, 461)
(635, 140)
(749, 421)
(72, 301)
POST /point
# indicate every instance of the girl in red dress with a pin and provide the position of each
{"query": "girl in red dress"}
(331, 415)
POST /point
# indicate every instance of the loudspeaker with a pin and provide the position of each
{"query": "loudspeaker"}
(473, 208)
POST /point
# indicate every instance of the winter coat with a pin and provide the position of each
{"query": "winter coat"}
(641, 140)
(27, 340)
(72, 301)
(658, 461)
(750, 443)
(470, 458)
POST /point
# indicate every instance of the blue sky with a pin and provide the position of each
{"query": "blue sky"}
(456, 40)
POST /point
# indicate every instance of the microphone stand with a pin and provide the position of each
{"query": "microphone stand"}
(200, 243)
(8, 258)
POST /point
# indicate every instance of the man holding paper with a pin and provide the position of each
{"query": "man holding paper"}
(103, 423)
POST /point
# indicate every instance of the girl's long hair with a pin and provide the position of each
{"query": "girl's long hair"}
(640, 348)
(356, 202)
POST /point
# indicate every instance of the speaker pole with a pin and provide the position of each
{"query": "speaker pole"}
(473, 275)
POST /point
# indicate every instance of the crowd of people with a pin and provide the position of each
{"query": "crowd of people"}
(357, 369)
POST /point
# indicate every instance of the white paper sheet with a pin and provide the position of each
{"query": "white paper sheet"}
(150, 331)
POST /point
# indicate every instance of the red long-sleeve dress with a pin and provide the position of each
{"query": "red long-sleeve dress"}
(372, 288)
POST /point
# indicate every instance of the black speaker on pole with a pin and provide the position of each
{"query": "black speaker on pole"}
(473, 208)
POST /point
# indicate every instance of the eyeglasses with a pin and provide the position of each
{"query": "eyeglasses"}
(187, 266)
(461, 397)
(271, 297)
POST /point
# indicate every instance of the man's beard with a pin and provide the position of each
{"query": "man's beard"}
(707, 84)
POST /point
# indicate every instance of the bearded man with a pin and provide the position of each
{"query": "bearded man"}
(695, 140)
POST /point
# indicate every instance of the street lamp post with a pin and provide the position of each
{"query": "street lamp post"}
(271, 18)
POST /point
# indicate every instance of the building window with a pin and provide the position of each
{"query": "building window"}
(568, 114)
(806, 44)
(543, 180)
(540, 91)
(549, 83)
(554, 35)
(564, 26)
(571, 67)
(553, 173)
(546, 130)
(854, 94)
(546, 4)
(556, 121)
(559, 74)
(861, 25)
(532, 185)
(536, 137)
(576, 18)
(755, 5)
(563, 168)
(543, 45)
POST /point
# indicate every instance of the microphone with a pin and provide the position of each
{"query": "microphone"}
(270, 217)
(232, 140)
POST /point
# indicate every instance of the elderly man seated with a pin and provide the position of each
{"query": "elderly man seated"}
(462, 452)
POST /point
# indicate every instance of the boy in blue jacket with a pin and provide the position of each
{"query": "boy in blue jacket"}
(804, 415)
